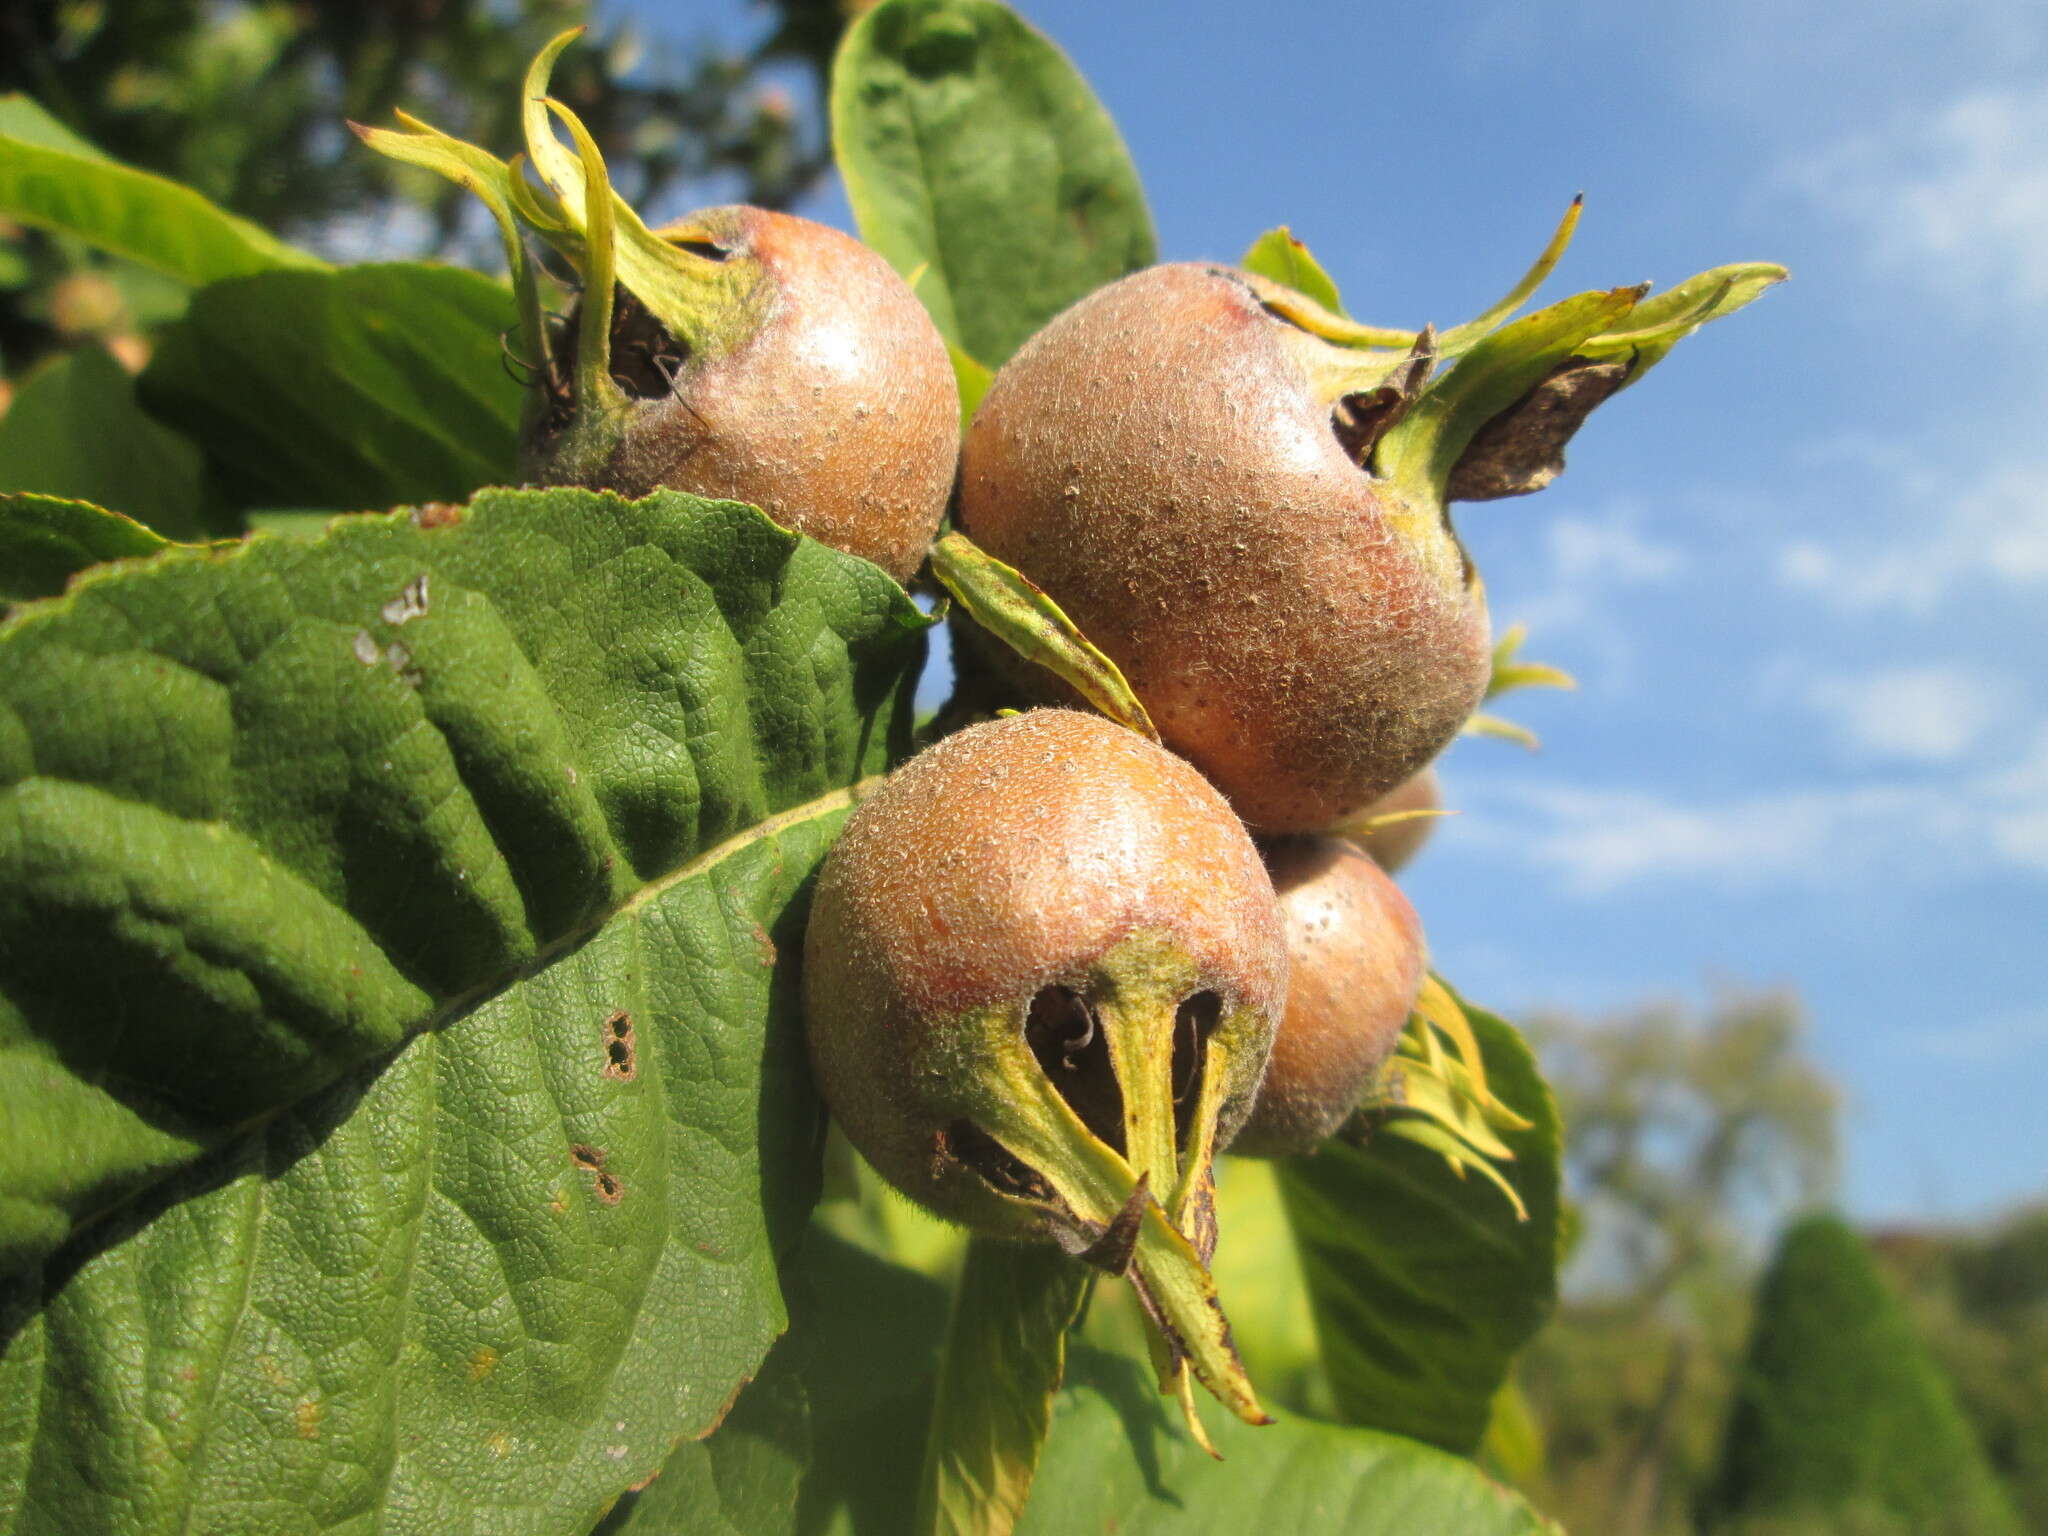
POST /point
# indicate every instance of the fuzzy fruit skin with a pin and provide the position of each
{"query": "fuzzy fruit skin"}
(1007, 858)
(1393, 846)
(836, 412)
(1355, 964)
(1157, 459)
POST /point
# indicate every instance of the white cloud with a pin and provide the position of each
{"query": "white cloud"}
(1997, 1037)
(1926, 714)
(1610, 549)
(1587, 557)
(1596, 841)
(1957, 196)
(1959, 538)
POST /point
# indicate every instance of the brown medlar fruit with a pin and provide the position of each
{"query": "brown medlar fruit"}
(1041, 975)
(1355, 964)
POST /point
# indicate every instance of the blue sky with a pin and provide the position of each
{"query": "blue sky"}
(1801, 573)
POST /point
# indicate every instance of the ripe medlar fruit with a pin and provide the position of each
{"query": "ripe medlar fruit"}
(736, 353)
(1179, 466)
(1041, 976)
(1355, 964)
(1241, 496)
(810, 382)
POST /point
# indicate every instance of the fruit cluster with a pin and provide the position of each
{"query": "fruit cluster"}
(1050, 973)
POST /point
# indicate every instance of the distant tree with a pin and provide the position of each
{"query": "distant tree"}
(247, 100)
(1841, 1419)
(1688, 1139)
(1979, 1296)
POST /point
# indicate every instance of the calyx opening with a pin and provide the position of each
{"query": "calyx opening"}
(1000, 1168)
(1073, 1052)
(646, 359)
(1193, 1023)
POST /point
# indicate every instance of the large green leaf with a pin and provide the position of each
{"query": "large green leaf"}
(977, 158)
(742, 1480)
(1004, 1355)
(431, 878)
(870, 1334)
(1117, 1462)
(52, 179)
(1117, 1459)
(75, 432)
(1424, 1285)
(46, 540)
(360, 389)
(271, 809)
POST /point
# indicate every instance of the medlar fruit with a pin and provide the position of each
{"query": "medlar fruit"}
(736, 353)
(1355, 964)
(1041, 976)
(810, 382)
(1178, 466)
(1393, 845)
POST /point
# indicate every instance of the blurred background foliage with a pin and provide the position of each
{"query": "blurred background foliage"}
(248, 100)
(1692, 1141)
(1693, 1136)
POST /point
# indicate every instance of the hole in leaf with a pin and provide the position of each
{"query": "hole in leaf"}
(1004, 1172)
(1193, 1022)
(1073, 1052)
(619, 1054)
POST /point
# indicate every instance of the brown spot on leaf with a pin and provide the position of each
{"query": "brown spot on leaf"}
(482, 1362)
(620, 1058)
(306, 1416)
(765, 947)
(610, 1188)
(436, 514)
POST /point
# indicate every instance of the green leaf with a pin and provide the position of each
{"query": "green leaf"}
(53, 180)
(1501, 729)
(1424, 1285)
(743, 1479)
(869, 1333)
(1660, 323)
(971, 147)
(75, 433)
(1018, 613)
(46, 540)
(1117, 1458)
(1421, 450)
(366, 388)
(1004, 1355)
(1278, 255)
(329, 793)
(22, 117)
(1510, 671)
(973, 379)
(431, 881)
(1116, 1462)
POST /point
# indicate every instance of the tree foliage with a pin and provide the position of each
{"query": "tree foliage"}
(1840, 1416)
